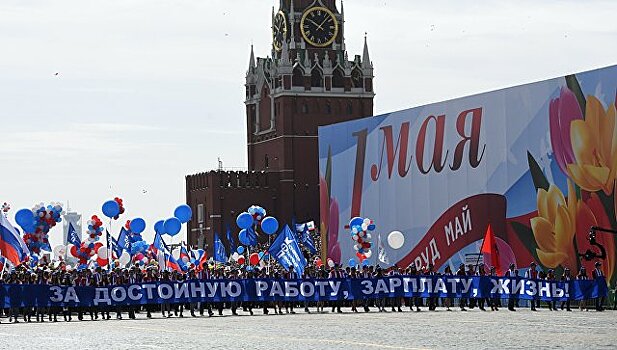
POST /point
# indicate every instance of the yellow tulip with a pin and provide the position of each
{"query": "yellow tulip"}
(555, 226)
(594, 142)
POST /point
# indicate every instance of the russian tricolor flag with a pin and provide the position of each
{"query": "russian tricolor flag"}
(12, 245)
(171, 263)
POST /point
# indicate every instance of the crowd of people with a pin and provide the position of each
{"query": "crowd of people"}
(63, 275)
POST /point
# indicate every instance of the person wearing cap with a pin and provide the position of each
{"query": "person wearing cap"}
(597, 274)
(532, 274)
(566, 278)
(336, 273)
(511, 273)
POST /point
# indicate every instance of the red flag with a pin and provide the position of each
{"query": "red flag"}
(489, 246)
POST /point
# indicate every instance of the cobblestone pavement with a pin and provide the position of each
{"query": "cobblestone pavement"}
(407, 330)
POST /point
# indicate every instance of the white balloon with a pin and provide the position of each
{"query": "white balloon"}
(102, 253)
(364, 226)
(368, 253)
(125, 258)
(59, 251)
(396, 239)
(330, 263)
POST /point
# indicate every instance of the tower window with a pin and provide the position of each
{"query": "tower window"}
(316, 78)
(298, 77)
(266, 162)
(357, 79)
(328, 108)
(305, 108)
(337, 79)
(349, 108)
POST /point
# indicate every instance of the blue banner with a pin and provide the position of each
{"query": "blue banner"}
(225, 290)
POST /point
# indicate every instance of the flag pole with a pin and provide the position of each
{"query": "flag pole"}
(108, 239)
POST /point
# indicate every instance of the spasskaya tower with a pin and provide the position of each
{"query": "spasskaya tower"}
(307, 81)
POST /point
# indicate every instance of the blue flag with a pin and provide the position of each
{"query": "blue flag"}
(159, 243)
(220, 254)
(114, 246)
(124, 241)
(230, 239)
(72, 237)
(286, 251)
(307, 240)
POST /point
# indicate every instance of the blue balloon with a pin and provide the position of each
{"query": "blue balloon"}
(261, 255)
(352, 262)
(183, 213)
(25, 219)
(111, 209)
(269, 225)
(357, 221)
(172, 226)
(159, 227)
(240, 249)
(371, 227)
(138, 225)
(244, 220)
(243, 237)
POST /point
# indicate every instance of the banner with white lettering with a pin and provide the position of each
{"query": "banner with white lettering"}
(255, 290)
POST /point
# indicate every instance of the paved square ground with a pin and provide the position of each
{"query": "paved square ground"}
(407, 330)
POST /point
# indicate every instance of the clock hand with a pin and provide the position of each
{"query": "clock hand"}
(319, 26)
(324, 22)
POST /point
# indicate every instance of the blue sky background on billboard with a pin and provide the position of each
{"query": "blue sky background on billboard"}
(149, 91)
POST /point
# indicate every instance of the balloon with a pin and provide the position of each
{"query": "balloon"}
(101, 262)
(125, 258)
(111, 209)
(318, 262)
(269, 225)
(25, 218)
(172, 226)
(97, 246)
(368, 253)
(357, 221)
(241, 260)
(183, 213)
(102, 253)
(159, 227)
(59, 251)
(244, 239)
(74, 251)
(138, 225)
(352, 262)
(240, 249)
(254, 259)
(330, 262)
(244, 220)
(396, 239)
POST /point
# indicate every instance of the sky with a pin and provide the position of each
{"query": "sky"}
(148, 91)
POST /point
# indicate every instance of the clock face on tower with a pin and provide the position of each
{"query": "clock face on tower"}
(319, 26)
(279, 31)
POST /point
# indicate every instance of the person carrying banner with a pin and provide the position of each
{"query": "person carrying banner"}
(582, 275)
(512, 273)
(463, 301)
(337, 273)
(290, 275)
(495, 302)
(550, 277)
(597, 274)
(567, 277)
(532, 273)
(481, 301)
(432, 301)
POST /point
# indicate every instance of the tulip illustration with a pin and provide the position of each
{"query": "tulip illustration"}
(562, 111)
(555, 226)
(591, 213)
(594, 143)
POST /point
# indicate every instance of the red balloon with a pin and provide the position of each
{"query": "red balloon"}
(318, 262)
(360, 256)
(74, 251)
(241, 260)
(101, 262)
(254, 259)
(97, 246)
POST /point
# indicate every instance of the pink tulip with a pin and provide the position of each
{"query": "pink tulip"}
(562, 111)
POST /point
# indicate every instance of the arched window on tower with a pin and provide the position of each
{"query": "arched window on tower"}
(338, 81)
(357, 80)
(298, 77)
(316, 78)
(266, 162)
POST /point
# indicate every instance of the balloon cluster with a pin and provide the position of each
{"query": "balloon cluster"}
(6, 207)
(95, 229)
(172, 226)
(113, 208)
(251, 220)
(36, 224)
(254, 258)
(139, 247)
(360, 228)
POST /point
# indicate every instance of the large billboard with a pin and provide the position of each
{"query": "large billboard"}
(537, 162)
